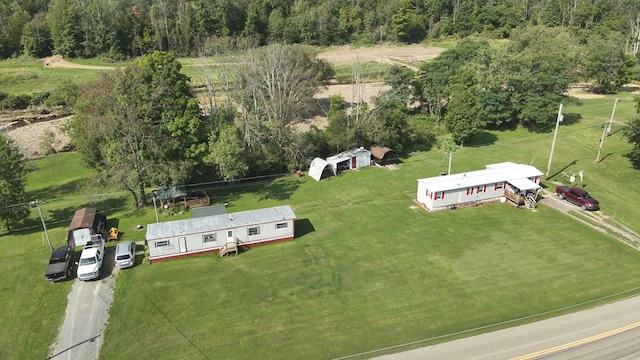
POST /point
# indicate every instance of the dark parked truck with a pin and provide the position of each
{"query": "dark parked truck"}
(579, 197)
(60, 264)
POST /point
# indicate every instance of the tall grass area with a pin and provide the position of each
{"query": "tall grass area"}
(28, 76)
(367, 269)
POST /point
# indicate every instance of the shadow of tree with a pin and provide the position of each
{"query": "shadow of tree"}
(482, 139)
(51, 192)
(278, 189)
(61, 216)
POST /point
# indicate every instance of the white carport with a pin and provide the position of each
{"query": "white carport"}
(524, 184)
(320, 169)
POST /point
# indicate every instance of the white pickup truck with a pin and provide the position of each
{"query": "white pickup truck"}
(91, 259)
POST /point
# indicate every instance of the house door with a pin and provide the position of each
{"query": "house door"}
(182, 244)
(354, 163)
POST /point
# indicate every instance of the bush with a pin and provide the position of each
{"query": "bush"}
(47, 143)
(15, 102)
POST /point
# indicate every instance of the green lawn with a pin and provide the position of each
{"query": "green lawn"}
(371, 272)
(366, 270)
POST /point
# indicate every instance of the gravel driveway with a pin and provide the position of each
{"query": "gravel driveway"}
(599, 220)
(87, 314)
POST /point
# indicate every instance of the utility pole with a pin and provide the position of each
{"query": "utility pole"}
(553, 144)
(606, 130)
(155, 208)
(450, 155)
(37, 203)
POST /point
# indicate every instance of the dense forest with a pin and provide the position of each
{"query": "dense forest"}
(127, 28)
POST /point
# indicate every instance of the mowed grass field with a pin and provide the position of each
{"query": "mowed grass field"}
(366, 271)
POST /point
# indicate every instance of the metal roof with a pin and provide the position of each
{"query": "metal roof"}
(345, 155)
(317, 167)
(493, 173)
(209, 210)
(379, 152)
(84, 218)
(218, 222)
(524, 184)
(171, 192)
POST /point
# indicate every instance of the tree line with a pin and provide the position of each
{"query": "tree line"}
(126, 29)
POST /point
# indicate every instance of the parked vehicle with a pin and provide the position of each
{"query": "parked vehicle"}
(125, 254)
(91, 259)
(60, 264)
(578, 196)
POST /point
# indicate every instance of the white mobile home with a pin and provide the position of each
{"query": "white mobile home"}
(492, 183)
(348, 160)
(189, 237)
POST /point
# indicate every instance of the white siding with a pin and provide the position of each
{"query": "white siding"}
(441, 192)
(268, 231)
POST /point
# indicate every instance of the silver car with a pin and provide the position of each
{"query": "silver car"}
(125, 254)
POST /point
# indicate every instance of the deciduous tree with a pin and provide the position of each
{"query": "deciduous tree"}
(141, 125)
(226, 153)
(12, 181)
(632, 132)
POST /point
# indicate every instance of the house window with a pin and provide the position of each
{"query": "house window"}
(439, 195)
(283, 225)
(162, 243)
(253, 231)
(469, 191)
(499, 186)
(209, 238)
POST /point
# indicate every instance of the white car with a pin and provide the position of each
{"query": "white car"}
(91, 260)
(125, 254)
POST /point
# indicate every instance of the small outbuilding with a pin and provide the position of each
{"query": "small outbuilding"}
(508, 180)
(209, 234)
(382, 155)
(179, 196)
(86, 223)
(349, 160)
(320, 169)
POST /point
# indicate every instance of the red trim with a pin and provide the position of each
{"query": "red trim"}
(211, 251)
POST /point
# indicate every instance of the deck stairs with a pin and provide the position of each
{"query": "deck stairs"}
(530, 201)
(230, 247)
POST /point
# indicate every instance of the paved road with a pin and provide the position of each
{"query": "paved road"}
(87, 314)
(526, 340)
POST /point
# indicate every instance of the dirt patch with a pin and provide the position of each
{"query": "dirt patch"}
(28, 136)
(578, 94)
(57, 61)
(410, 55)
